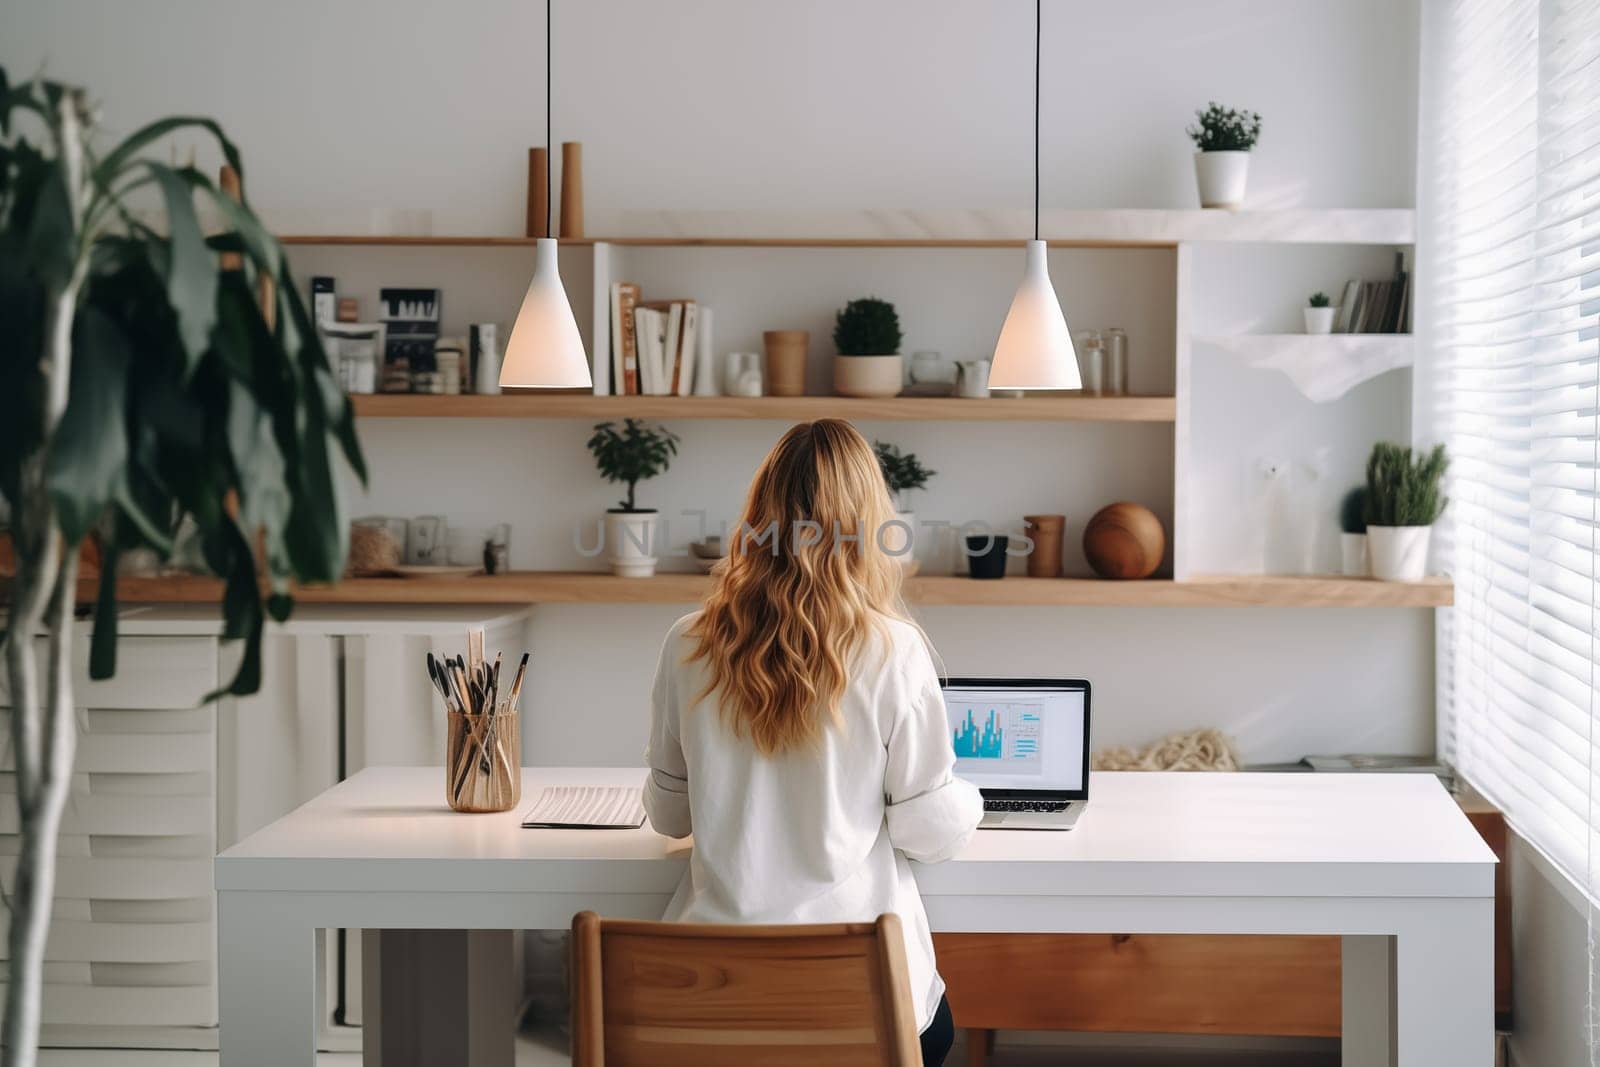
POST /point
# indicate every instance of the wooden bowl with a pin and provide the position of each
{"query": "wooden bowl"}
(1124, 540)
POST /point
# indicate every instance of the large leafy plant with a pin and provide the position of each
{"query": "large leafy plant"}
(1405, 489)
(155, 378)
(632, 454)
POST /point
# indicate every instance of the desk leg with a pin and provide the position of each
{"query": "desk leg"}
(267, 982)
(1367, 1037)
(1444, 985)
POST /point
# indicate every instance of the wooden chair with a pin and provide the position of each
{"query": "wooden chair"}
(668, 994)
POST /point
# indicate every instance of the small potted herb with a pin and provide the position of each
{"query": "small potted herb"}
(633, 454)
(1224, 138)
(866, 335)
(1319, 314)
(903, 472)
(1405, 495)
(1353, 532)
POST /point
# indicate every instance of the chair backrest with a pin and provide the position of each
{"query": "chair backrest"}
(667, 994)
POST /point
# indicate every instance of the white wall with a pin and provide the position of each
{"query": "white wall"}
(351, 114)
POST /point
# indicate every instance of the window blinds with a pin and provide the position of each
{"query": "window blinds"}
(1508, 323)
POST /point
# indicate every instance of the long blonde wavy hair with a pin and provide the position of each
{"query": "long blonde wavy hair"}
(804, 584)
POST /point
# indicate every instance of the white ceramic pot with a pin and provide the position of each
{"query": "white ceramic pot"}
(898, 542)
(1319, 320)
(1398, 553)
(1354, 549)
(631, 540)
(1221, 176)
(867, 375)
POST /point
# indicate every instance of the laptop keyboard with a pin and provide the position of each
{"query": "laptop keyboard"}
(1044, 806)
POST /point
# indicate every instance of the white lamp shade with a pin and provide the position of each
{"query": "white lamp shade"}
(1035, 347)
(545, 351)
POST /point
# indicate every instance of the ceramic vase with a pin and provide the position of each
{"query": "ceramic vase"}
(1221, 177)
(631, 542)
(1398, 553)
(867, 375)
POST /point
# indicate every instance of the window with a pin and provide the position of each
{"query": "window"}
(1509, 370)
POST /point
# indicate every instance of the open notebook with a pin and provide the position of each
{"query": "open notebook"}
(587, 807)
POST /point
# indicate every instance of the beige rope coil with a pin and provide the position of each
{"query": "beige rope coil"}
(1206, 749)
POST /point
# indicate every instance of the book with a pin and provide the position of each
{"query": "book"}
(626, 339)
(1358, 307)
(705, 369)
(651, 328)
(670, 347)
(587, 807)
(684, 367)
(1347, 306)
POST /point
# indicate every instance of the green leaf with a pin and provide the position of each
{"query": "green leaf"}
(90, 446)
(110, 168)
(191, 269)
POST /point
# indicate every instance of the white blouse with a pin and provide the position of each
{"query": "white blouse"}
(820, 835)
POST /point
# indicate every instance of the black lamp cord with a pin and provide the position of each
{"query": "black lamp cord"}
(549, 145)
(1038, 19)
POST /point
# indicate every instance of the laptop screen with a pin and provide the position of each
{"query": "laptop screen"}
(1015, 737)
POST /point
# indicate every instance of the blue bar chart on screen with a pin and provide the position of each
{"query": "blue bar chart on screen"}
(1009, 733)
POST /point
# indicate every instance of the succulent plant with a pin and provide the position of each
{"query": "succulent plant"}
(1403, 490)
(1320, 300)
(867, 327)
(1223, 129)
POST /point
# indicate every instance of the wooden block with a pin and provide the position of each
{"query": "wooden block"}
(538, 222)
(571, 190)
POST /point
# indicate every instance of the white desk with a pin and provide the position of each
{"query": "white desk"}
(1387, 861)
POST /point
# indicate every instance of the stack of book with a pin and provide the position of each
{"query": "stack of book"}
(655, 344)
(1377, 307)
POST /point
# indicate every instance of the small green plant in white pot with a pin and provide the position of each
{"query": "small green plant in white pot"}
(1353, 532)
(866, 335)
(1405, 496)
(1224, 138)
(903, 473)
(633, 454)
(1319, 314)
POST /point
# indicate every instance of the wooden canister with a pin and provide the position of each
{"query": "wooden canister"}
(538, 193)
(1045, 530)
(571, 190)
(786, 361)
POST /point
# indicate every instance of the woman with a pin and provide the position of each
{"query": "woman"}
(798, 730)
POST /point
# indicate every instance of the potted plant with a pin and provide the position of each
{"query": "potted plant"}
(152, 374)
(1319, 314)
(903, 472)
(1404, 497)
(1353, 532)
(631, 455)
(866, 334)
(1224, 137)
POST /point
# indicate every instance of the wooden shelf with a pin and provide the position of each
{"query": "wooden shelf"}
(568, 587)
(1110, 228)
(545, 405)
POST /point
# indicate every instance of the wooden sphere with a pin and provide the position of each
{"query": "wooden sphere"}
(1124, 540)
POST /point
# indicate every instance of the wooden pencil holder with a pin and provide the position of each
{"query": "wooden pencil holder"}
(483, 761)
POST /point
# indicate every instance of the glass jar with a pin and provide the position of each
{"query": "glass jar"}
(1092, 362)
(1116, 357)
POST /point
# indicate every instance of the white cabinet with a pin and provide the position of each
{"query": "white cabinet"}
(163, 782)
(133, 927)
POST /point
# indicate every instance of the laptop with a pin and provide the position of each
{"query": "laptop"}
(1024, 742)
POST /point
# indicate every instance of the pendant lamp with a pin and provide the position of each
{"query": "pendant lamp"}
(1035, 347)
(545, 350)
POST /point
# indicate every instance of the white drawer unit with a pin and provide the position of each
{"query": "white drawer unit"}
(133, 928)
